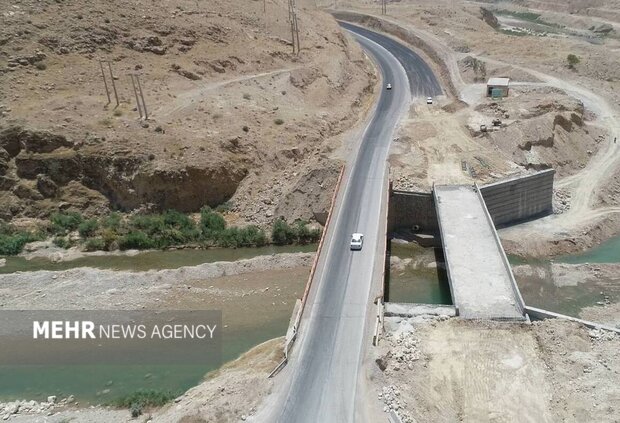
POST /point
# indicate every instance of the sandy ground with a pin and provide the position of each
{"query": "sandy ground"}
(95, 288)
(453, 370)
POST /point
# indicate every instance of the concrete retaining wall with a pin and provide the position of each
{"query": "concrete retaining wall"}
(408, 209)
(520, 198)
(540, 314)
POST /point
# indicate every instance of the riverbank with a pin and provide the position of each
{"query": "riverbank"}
(231, 393)
(55, 258)
(269, 284)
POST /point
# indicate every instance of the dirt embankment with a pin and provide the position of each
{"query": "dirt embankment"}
(234, 115)
(456, 370)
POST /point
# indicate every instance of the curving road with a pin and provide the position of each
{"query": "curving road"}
(322, 380)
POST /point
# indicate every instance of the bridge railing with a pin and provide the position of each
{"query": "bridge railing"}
(449, 271)
(513, 283)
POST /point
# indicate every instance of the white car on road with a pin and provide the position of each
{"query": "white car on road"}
(357, 240)
(429, 100)
(388, 87)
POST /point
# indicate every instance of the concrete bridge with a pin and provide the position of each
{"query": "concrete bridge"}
(462, 219)
(481, 280)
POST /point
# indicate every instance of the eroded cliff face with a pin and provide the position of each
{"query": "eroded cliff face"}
(41, 171)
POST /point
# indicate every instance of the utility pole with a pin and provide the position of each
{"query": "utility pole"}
(146, 114)
(294, 26)
(297, 33)
(135, 92)
(113, 83)
(107, 91)
(105, 83)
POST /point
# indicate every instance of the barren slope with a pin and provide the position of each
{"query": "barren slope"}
(233, 114)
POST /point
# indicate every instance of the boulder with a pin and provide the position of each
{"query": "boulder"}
(46, 186)
(15, 138)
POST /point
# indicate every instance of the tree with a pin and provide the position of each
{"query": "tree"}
(572, 61)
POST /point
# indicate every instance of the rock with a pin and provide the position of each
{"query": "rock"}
(14, 138)
(488, 17)
(51, 399)
(602, 29)
(46, 186)
(2, 262)
(4, 165)
(24, 191)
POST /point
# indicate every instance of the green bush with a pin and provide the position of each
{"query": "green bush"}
(88, 227)
(112, 221)
(306, 235)
(282, 233)
(572, 61)
(150, 224)
(65, 222)
(135, 410)
(223, 208)
(229, 238)
(13, 244)
(95, 244)
(61, 241)
(278, 121)
(110, 238)
(136, 240)
(211, 223)
(144, 398)
(253, 236)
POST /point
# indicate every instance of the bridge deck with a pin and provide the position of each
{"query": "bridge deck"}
(480, 277)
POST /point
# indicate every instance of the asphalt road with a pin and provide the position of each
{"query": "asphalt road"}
(322, 380)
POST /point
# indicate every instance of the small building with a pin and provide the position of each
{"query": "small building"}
(498, 87)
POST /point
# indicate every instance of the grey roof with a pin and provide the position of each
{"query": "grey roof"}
(499, 82)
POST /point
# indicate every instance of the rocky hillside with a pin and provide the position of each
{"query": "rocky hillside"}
(234, 115)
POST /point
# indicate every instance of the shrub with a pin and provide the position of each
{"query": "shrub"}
(62, 242)
(278, 121)
(151, 224)
(282, 233)
(41, 66)
(144, 398)
(306, 235)
(110, 238)
(173, 218)
(223, 208)
(135, 410)
(136, 240)
(253, 236)
(88, 227)
(117, 112)
(13, 244)
(95, 244)
(211, 223)
(230, 237)
(65, 222)
(572, 60)
(246, 96)
(112, 221)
